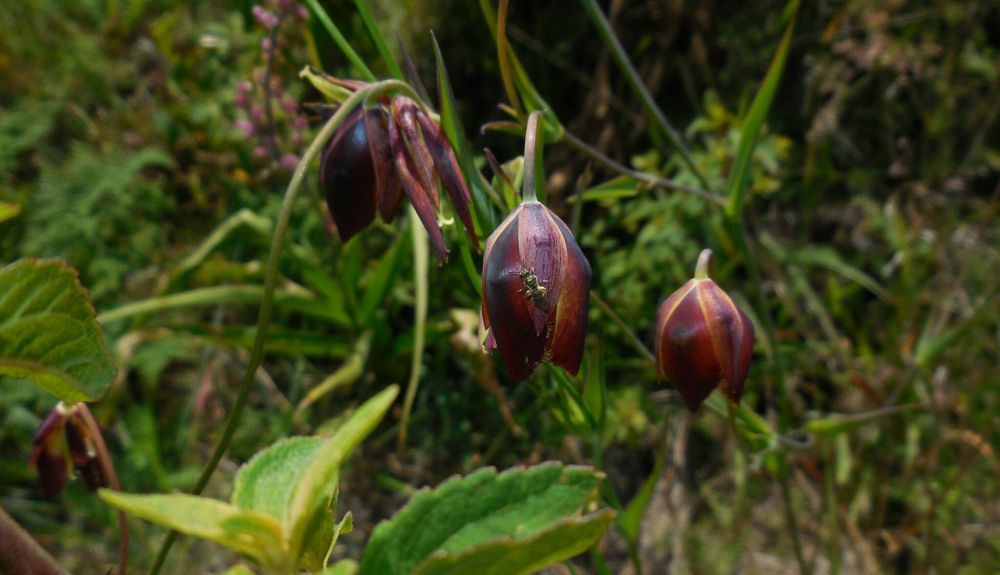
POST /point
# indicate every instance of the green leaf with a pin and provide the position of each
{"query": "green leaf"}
(267, 482)
(343, 567)
(826, 257)
(527, 516)
(739, 178)
(613, 189)
(381, 279)
(253, 534)
(48, 332)
(314, 489)
(9, 210)
(564, 540)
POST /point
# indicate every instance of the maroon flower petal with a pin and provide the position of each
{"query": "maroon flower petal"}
(449, 173)
(347, 176)
(507, 308)
(685, 350)
(418, 195)
(572, 304)
(543, 253)
(48, 454)
(732, 337)
(404, 114)
(83, 452)
(388, 189)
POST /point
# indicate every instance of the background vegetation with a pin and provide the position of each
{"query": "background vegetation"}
(132, 144)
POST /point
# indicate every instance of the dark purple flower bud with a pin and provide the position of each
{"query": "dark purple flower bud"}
(703, 340)
(83, 451)
(48, 453)
(378, 154)
(536, 288)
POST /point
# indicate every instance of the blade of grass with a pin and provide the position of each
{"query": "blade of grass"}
(660, 121)
(738, 178)
(383, 49)
(338, 38)
(420, 268)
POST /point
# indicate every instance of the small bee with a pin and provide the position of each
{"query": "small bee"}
(534, 290)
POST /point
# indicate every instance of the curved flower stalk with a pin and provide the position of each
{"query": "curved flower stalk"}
(703, 340)
(536, 283)
(379, 153)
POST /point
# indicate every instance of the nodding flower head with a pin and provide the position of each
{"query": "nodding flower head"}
(380, 153)
(703, 340)
(65, 432)
(536, 285)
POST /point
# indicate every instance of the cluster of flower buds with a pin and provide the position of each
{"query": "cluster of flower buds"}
(379, 153)
(703, 341)
(536, 284)
(68, 430)
(270, 114)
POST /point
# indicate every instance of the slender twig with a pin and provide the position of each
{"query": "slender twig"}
(648, 179)
(270, 281)
(660, 120)
(108, 469)
(629, 333)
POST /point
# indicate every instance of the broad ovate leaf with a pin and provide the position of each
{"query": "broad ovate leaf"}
(48, 332)
(517, 521)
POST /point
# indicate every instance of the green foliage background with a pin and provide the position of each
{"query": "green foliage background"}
(874, 213)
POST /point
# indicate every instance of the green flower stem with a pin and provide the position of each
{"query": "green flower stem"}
(342, 42)
(270, 281)
(421, 260)
(604, 27)
(534, 175)
(108, 468)
(705, 267)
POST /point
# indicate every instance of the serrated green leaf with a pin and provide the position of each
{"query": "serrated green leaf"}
(267, 482)
(314, 489)
(253, 534)
(561, 541)
(48, 332)
(488, 512)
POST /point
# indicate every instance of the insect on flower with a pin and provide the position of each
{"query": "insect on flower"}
(534, 290)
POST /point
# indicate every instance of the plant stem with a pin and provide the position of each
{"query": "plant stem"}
(20, 553)
(534, 175)
(629, 333)
(270, 281)
(108, 468)
(661, 122)
(649, 179)
(705, 267)
(790, 519)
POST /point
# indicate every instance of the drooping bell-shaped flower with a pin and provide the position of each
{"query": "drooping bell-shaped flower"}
(379, 153)
(703, 340)
(536, 285)
(66, 432)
